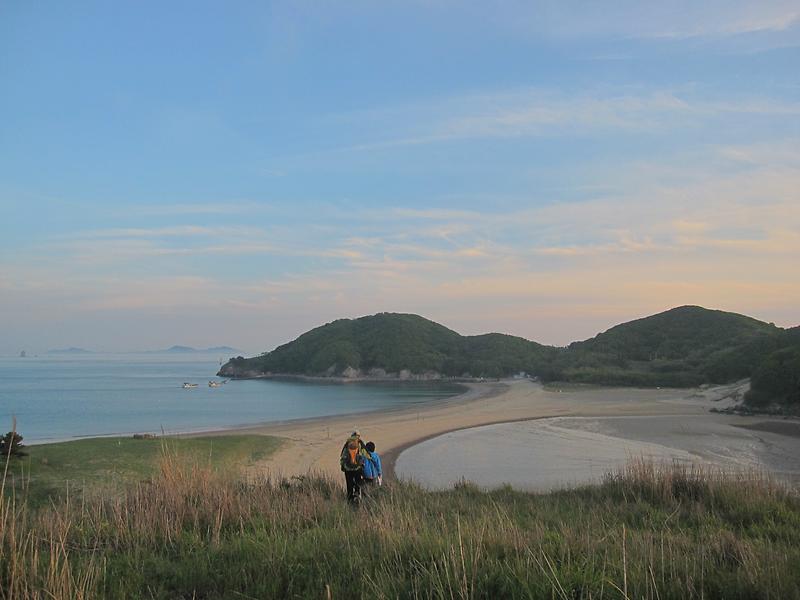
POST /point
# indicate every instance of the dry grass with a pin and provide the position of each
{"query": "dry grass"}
(650, 531)
(35, 554)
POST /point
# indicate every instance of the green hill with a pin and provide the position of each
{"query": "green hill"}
(389, 343)
(682, 347)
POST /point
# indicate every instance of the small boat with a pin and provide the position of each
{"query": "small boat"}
(187, 386)
(214, 384)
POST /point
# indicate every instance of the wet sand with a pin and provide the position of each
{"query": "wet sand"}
(786, 427)
(532, 455)
(313, 445)
(565, 451)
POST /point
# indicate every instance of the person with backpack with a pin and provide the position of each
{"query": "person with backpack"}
(373, 473)
(352, 461)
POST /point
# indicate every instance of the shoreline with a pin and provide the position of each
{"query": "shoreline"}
(466, 389)
(313, 446)
(389, 459)
(414, 378)
(467, 395)
(321, 431)
(569, 451)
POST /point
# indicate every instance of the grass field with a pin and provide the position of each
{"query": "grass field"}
(106, 465)
(195, 531)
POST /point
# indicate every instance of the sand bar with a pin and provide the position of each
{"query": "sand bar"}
(557, 452)
(537, 455)
(313, 445)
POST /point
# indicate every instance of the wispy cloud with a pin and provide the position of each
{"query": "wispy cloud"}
(776, 153)
(228, 206)
(761, 18)
(732, 232)
(676, 20)
(545, 113)
(172, 231)
(474, 181)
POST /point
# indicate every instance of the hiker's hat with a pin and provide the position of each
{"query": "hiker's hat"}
(356, 433)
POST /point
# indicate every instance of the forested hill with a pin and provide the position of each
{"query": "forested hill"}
(675, 333)
(390, 344)
(685, 346)
(776, 378)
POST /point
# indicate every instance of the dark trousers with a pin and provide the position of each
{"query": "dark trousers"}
(353, 480)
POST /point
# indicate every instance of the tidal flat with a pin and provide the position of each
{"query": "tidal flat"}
(551, 453)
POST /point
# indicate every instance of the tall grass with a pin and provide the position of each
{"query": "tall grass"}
(36, 551)
(648, 531)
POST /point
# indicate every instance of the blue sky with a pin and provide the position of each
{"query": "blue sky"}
(236, 173)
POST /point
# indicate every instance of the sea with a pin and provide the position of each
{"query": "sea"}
(62, 397)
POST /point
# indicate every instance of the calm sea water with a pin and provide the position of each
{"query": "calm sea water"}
(63, 397)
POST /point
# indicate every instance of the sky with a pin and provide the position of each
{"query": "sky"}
(208, 173)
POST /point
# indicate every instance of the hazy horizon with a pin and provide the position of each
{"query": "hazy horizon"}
(254, 351)
(237, 175)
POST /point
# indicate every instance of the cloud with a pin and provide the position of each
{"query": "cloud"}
(718, 226)
(754, 213)
(172, 231)
(667, 209)
(223, 207)
(676, 20)
(532, 112)
(764, 18)
(775, 153)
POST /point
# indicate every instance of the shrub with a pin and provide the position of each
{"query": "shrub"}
(11, 444)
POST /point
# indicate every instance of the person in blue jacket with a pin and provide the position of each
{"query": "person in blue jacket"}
(373, 472)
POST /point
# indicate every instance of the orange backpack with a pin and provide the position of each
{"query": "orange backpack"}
(352, 448)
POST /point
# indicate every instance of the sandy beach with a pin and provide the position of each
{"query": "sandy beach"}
(556, 452)
(313, 445)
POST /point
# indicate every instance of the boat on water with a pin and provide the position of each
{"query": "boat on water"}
(217, 383)
(187, 386)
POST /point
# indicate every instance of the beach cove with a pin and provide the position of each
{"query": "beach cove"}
(62, 397)
(610, 425)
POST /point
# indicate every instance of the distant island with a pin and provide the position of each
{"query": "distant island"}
(189, 350)
(682, 347)
(226, 350)
(71, 350)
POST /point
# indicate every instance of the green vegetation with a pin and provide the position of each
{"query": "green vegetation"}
(196, 532)
(682, 347)
(106, 465)
(11, 445)
(393, 343)
(777, 377)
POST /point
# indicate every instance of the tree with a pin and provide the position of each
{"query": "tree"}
(11, 444)
(777, 378)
